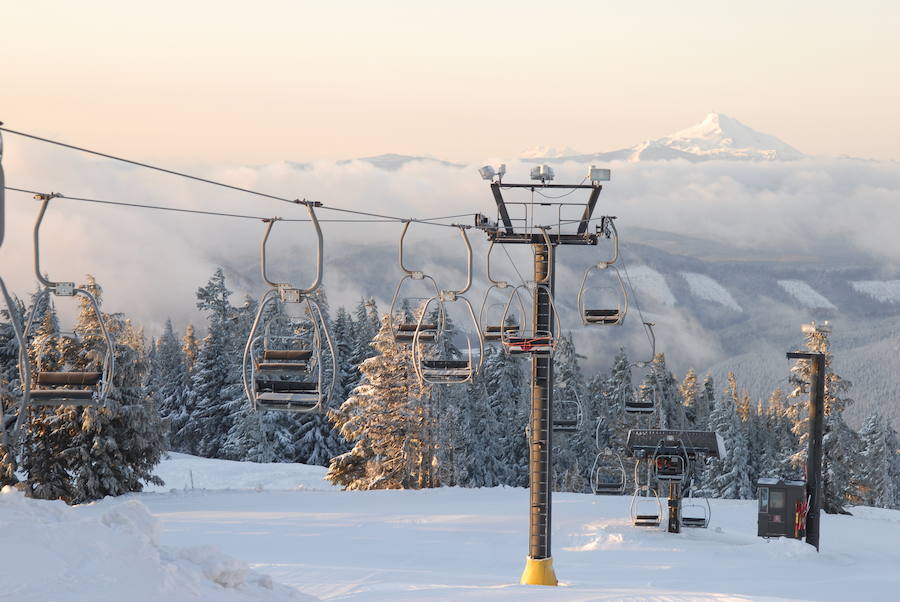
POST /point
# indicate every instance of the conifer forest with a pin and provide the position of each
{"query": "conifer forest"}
(386, 429)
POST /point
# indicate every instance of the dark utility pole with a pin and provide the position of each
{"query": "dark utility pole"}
(816, 435)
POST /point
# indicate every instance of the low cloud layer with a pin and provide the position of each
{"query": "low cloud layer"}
(151, 263)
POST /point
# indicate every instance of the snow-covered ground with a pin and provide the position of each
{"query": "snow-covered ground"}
(806, 295)
(706, 288)
(446, 544)
(647, 280)
(886, 291)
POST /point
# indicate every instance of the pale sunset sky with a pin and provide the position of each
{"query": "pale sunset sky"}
(256, 82)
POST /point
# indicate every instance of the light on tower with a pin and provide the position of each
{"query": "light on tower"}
(597, 174)
(544, 173)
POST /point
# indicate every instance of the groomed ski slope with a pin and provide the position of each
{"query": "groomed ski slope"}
(252, 521)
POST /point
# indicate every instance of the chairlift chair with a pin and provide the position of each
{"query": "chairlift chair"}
(528, 339)
(636, 404)
(67, 387)
(286, 372)
(570, 416)
(646, 508)
(492, 331)
(286, 375)
(607, 310)
(404, 332)
(671, 461)
(608, 473)
(523, 339)
(694, 513)
(609, 307)
(449, 370)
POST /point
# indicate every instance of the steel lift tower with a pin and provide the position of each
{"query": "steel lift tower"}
(543, 239)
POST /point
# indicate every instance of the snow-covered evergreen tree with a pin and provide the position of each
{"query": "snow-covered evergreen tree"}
(778, 441)
(573, 450)
(480, 462)
(507, 389)
(840, 444)
(167, 380)
(215, 376)
(661, 386)
(879, 471)
(79, 453)
(728, 477)
(383, 421)
(190, 348)
(690, 393)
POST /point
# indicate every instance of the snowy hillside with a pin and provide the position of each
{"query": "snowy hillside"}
(441, 545)
(718, 136)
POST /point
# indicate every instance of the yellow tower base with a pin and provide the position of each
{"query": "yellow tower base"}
(538, 571)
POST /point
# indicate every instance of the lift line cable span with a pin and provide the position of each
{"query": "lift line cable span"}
(634, 294)
(37, 193)
(228, 186)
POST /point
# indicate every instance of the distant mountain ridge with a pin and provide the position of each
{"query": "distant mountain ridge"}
(393, 161)
(718, 136)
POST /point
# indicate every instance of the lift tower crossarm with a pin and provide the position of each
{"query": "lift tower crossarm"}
(497, 190)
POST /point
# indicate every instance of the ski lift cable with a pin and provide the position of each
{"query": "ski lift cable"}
(219, 213)
(634, 294)
(296, 201)
(560, 196)
(513, 264)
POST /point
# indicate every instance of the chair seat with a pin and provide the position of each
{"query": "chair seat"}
(609, 488)
(67, 378)
(647, 520)
(529, 344)
(282, 367)
(424, 337)
(287, 354)
(415, 326)
(693, 521)
(599, 313)
(602, 316)
(639, 407)
(287, 402)
(58, 397)
(446, 364)
(285, 386)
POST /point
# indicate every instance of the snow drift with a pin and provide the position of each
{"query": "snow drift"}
(113, 552)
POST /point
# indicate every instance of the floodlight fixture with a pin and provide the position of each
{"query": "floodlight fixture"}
(544, 173)
(813, 328)
(597, 174)
(489, 173)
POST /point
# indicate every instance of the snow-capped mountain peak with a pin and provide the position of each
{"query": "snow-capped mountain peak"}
(722, 136)
(718, 136)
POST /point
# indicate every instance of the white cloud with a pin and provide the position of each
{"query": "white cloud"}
(151, 263)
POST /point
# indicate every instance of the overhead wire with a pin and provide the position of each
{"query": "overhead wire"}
(560, 196)
(195, 211)
(228, 186)
(634, 294)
